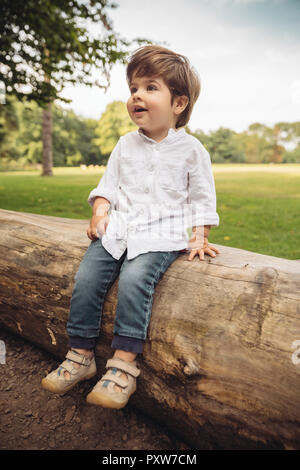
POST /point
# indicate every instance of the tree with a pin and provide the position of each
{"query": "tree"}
(29, 139)
(269, 142)
(46, 44)
(9, 127)
(113, 123)
(221, 145)
(21, 136)
(288, 133)
(292, 156)
(73, 139)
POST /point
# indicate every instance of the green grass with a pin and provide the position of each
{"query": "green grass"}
(258, 205)
(63, 195)
(259, 208)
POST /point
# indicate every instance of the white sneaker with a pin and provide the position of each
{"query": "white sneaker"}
(57, 381)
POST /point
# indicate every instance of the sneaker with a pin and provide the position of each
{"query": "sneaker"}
(104, 393)
(57, 380)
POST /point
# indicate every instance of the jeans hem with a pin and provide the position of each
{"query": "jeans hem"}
(82, 343)
(127, 343)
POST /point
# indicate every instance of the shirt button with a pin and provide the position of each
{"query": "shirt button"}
(147, 190)
(141, 211)
(151, 168)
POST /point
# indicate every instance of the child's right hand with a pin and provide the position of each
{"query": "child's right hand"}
(98, 226)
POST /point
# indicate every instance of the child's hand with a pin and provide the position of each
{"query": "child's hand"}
(201, 248)
(98, 226)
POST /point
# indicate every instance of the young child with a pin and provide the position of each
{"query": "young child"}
(158, 182)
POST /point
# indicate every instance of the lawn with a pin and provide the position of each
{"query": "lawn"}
(258, 205)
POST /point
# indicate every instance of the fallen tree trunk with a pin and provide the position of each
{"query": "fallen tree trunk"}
(220, 365)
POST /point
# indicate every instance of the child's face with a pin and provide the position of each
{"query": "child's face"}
(154, 97)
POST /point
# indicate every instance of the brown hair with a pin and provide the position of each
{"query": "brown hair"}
(175, 69)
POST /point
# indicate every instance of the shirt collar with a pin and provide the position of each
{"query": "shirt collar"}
(171, 137)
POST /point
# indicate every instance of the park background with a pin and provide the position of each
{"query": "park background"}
(248, 58)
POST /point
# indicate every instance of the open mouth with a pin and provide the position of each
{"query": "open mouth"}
(139, 109)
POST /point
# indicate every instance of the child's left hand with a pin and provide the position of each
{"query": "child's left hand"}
(200, 249)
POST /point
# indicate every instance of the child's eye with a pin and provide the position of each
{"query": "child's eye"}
(151, 87)
(132, 90)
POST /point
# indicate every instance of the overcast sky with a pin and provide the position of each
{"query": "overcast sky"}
(247, 53)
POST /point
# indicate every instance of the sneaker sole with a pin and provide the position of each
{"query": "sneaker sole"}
(94, 398)
(51, 387)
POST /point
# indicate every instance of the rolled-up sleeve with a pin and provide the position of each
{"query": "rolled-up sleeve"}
(108, 184)
(201, 189)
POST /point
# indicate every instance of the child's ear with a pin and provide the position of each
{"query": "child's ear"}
(180, 104)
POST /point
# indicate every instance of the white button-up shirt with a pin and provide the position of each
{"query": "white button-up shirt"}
(156, 190)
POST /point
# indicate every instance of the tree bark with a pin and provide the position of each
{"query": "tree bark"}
(220, 366)
(47, 141)
(47, 126)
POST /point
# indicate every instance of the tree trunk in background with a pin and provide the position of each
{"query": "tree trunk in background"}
(47, 141)
(220, 366)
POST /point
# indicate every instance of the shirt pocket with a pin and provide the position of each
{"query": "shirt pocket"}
(172, 177)
(131, 171)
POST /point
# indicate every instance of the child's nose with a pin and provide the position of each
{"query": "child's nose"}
(137, 94)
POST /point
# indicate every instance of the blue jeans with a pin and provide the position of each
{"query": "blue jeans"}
(97, 272)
